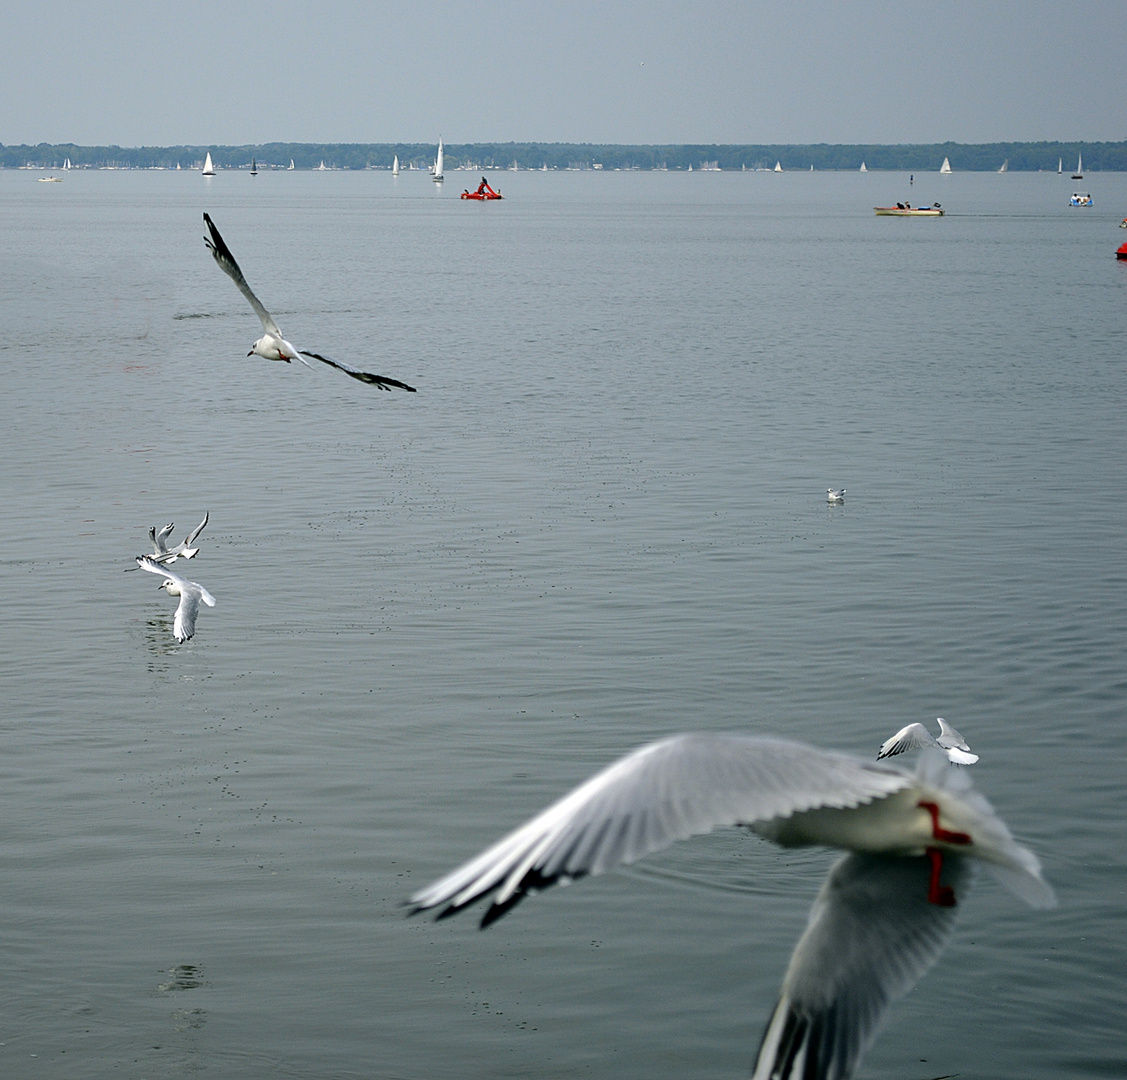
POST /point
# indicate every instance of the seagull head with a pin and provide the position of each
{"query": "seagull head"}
(171, 586)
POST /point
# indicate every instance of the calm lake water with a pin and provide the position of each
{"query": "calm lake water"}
(602, 519)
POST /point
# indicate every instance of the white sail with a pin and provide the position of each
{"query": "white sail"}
(438, 163)
(863, 169)
(253, 167)
(66, 164)
(291, 165)
(395, 166)
(1079, 174)
(946, 166)
(1005, 165)
(208, 168)
(1060, 166)
(778, 166)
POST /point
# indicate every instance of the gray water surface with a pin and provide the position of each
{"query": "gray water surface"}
(601, 519)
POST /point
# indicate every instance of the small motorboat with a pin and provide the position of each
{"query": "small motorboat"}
(50, 179)
(484, 192)
(1080, 198)
(906, 209)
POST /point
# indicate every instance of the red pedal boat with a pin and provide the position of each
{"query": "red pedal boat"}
(484, 192)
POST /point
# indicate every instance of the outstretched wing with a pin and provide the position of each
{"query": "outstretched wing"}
(197, 530)
(227, 264)
(871, 937)
(912, 737)
(382, 381)
(184, 624)
(664, 792)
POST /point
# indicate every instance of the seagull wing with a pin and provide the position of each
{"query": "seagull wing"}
(196, 531)
(949, 738)
(382, 381)
(912, 737)
(872, 935)
(227, 264)
(664, 792)
(184, 624)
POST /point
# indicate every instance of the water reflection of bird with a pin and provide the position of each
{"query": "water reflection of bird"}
(916, 736)
(882, 917)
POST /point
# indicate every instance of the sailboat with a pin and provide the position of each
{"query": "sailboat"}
(1005, 165)
(321, 167)
(863, 169)
(208, 168)
(66, 165)
(1060, 165)
(946, 166)
(395, 166)
(778, 166)
(1079, 174)
(438, 165)
(253, 167)
(290, 169)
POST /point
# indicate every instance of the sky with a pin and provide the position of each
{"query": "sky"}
(238, 72)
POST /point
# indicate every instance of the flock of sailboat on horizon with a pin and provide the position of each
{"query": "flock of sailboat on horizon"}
(436, 170)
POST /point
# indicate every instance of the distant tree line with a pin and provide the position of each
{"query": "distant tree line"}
(969, 157)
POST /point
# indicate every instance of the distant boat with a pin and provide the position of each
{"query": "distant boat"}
(178, 166)
(1005, 166)
(1079, 174)
(863, 169)
(208, 168)
(321, 167)
(253, 167)
(778, 166)
(438, 165)
(908, 210)
(290, 169)
(395, 166)
(1060, 165)
(66, 165)
(50, 179)
(946, 166)
(1080, 198)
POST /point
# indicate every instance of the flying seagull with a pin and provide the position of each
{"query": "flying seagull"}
(190, 593)
(272, 345)
(162, 553)
(915, 736)
(882, 917)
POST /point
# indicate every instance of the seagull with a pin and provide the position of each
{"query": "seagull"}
(190, 593)
(915, 736)
(162, 553)
(882, 917)
(835, 495)
(272, 345)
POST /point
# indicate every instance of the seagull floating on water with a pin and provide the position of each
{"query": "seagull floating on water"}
(835, 495)
(916, 736)
(882, 917)
(162, 553)
(272, 345)
(190, 593)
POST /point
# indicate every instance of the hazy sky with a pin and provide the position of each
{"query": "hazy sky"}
(723, 71)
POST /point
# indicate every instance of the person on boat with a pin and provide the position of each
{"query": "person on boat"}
(899, 206)
(481, 188)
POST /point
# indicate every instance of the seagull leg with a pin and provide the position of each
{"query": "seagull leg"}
(940, 895)
(937, 830)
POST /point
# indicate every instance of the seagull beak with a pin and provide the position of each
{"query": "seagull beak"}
(251, 353)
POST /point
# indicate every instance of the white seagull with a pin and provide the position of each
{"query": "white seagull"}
(835, 495)
(162, 553)
(916, 736)
(882, 917)
(272, 345)
(190, 593)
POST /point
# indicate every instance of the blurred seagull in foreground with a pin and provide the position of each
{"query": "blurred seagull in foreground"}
(190, 593)
(162, 553)
(916, 736)
(881, 918)
(835, 495)
(272, 345)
